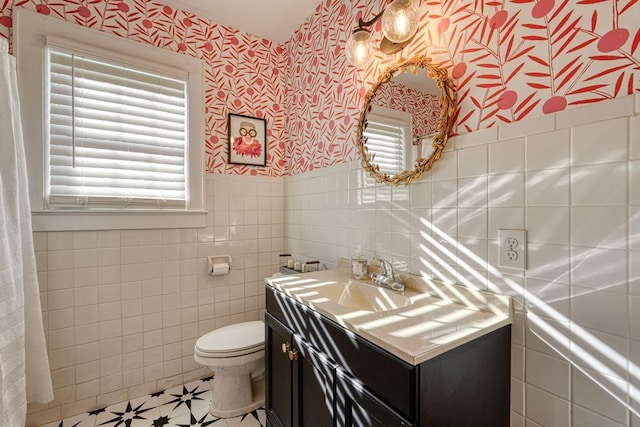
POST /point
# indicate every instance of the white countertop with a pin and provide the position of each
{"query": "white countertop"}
(426, 320)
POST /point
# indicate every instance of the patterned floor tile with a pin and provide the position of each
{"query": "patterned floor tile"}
(251, 419)
(185, 398)
(136, 413)
(198, 418)
(182, 406)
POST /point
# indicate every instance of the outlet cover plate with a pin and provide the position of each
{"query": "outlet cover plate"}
(512, 247)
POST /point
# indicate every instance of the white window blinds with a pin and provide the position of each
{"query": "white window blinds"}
(117, 136)
(386, 141)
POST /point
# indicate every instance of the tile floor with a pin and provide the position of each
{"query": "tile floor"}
(186, 405)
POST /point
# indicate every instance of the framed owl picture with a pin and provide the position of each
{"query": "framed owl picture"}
(247, 140)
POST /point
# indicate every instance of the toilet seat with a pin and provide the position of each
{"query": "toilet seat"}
(232, 341)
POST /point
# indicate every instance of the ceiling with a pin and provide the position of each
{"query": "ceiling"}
(275, 20)
(419, 81)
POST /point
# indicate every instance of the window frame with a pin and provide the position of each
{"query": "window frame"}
(30, 42)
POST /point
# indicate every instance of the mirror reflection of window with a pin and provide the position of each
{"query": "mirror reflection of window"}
(401, 108)
(389, 138)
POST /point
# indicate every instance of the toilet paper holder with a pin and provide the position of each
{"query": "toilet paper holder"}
(219, 265)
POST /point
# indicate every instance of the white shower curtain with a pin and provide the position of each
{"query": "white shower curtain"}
(24, 366)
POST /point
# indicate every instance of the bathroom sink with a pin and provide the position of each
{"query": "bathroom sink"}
(364, 296)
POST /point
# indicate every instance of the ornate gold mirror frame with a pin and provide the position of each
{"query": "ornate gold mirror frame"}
(447, 101)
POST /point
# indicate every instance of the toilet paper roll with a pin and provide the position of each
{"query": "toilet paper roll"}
(220, 269)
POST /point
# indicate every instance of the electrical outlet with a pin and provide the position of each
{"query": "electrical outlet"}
(511, 243)
(513, 249)
(511, 255)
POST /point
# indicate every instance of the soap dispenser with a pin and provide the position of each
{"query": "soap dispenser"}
(358, 265)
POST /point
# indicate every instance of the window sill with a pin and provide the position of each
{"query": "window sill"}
(78, 220)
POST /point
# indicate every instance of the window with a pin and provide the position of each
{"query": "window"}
(388, 137)
(116, 135)
(121, 140)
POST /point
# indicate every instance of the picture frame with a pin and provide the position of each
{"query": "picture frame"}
(247, 140)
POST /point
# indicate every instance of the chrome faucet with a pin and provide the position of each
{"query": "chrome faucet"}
(387, 267)
(386, 279)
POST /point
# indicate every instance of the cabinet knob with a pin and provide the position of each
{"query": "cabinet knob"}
(293, 354)
(286, 347)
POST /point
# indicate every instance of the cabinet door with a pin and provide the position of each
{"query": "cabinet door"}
(278, 374)
(314, 376)
(358, 407)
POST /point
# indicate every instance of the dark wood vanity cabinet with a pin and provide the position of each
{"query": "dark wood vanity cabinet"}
(278, 374)
(301, 380)
(359, 407)
(320, 374)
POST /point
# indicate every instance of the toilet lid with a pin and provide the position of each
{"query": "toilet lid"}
(246, 336)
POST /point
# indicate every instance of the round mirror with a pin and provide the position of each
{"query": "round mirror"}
(406, 121)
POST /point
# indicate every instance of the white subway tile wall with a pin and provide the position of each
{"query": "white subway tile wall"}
(573, 181)
(123, 309)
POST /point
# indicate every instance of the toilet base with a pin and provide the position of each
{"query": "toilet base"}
(235, 395)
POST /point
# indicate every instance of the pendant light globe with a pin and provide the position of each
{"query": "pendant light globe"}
(400, 21)
(358, 47)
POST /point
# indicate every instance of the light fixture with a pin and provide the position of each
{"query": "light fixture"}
(358, 47)
(399, 25)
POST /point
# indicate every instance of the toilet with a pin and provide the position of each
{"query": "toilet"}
(235, 354)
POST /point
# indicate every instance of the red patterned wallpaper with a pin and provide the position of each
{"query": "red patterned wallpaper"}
(243, 73)
(424, 107)
(511, 59)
